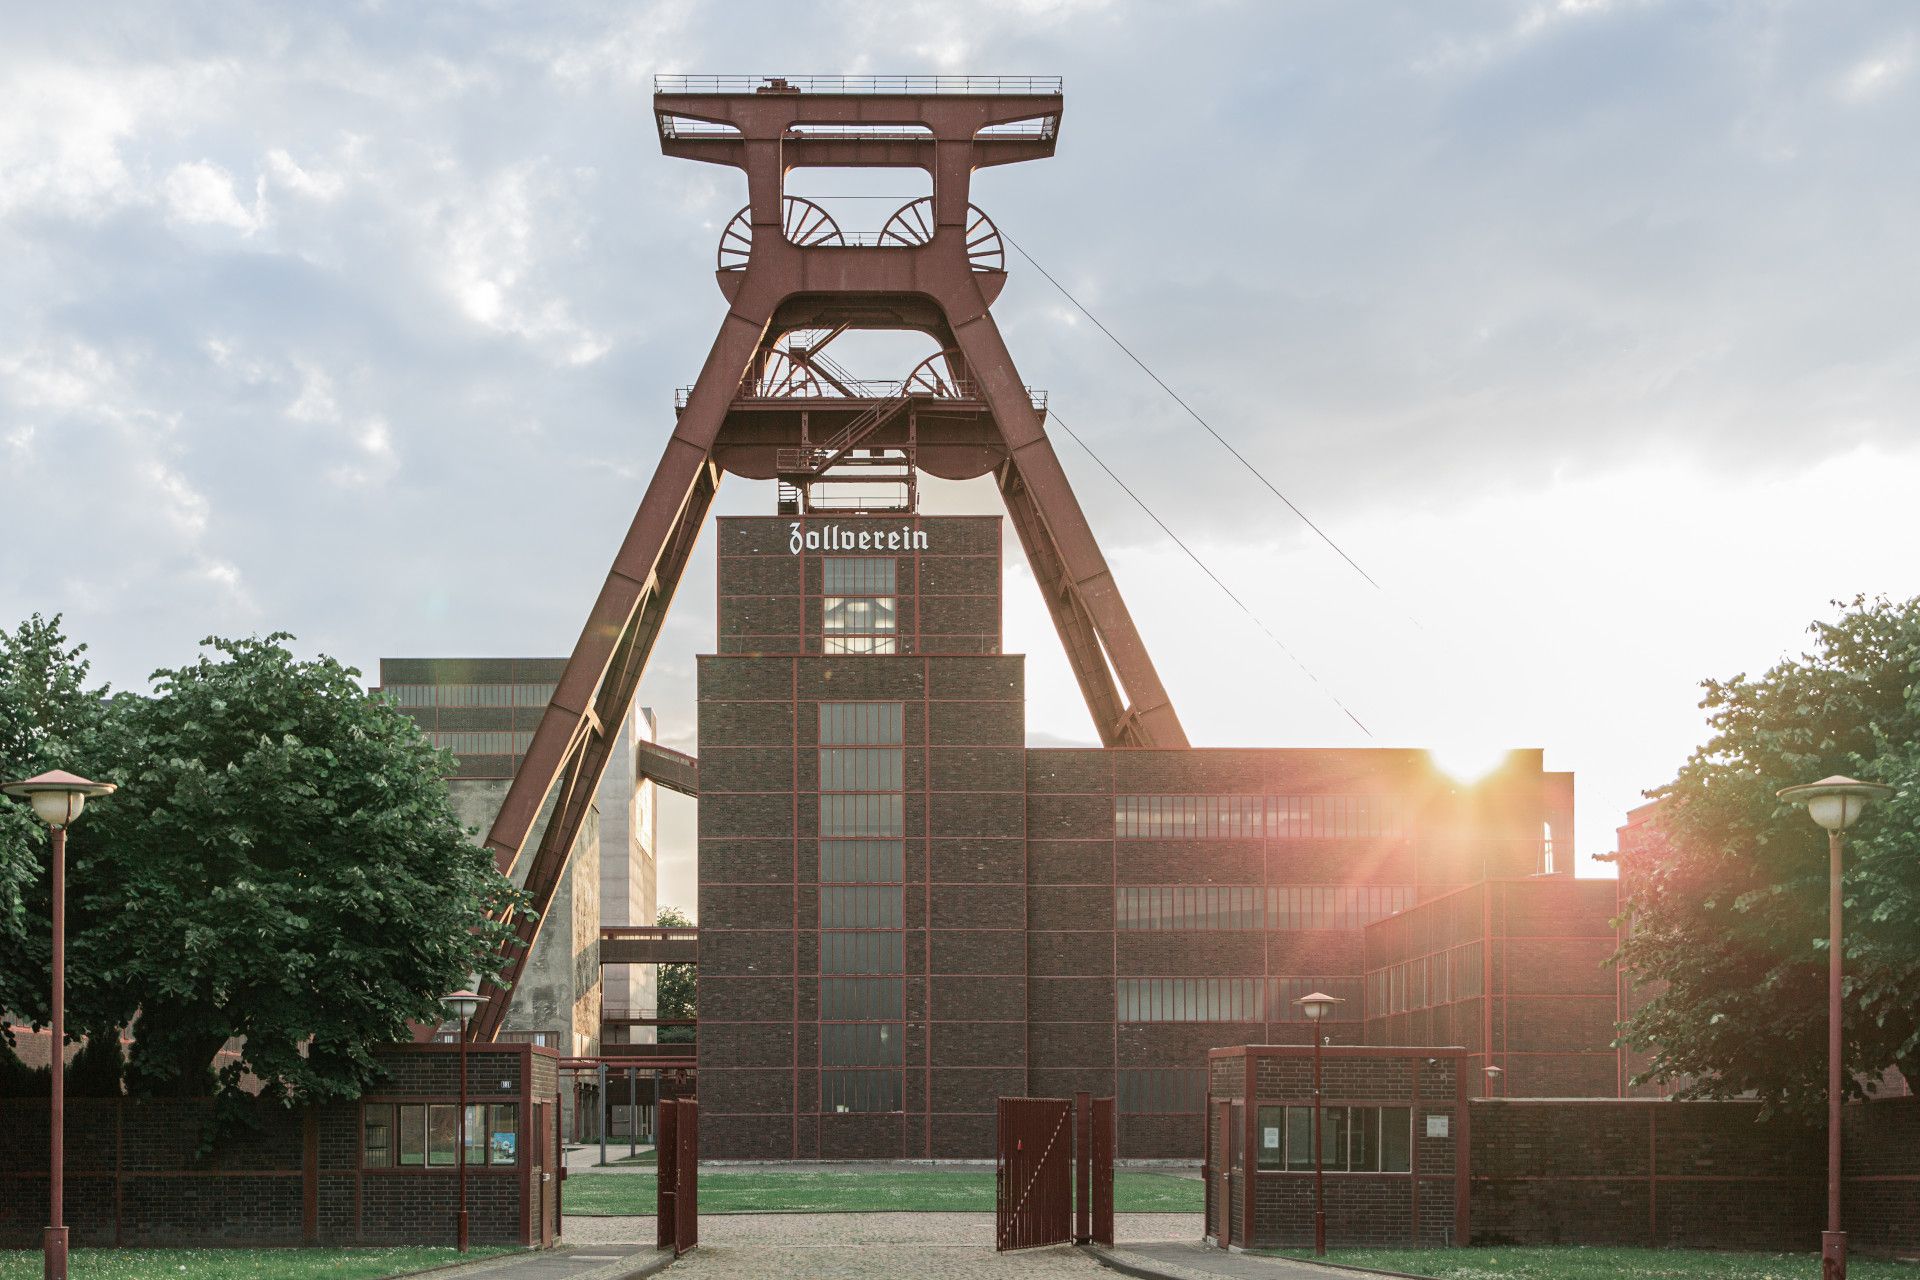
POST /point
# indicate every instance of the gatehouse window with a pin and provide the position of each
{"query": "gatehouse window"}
(1352, 1139)
(412, 1135)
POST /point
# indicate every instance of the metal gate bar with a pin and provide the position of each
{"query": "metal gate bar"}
(1033, 1174)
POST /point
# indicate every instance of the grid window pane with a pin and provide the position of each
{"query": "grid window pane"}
(1396, 1139)
(503, 1133)
(1270, 1138)
(862, 815)
(1299, 1137)
(860, 907)
(861, 724)
(860, 999)
(860, 953)
(861, 861)
(476, 1134)
(859, 575)
(858, 624)
(859, 1091)
(1213, 817)
(860, 1044)
(1161, 1091)
(861, 769)
(443, 1131)
(376, 1123)
(412, 1134)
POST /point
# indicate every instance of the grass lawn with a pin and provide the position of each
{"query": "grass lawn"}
(234, 1264)
(967, 1191)
(1607, 1264)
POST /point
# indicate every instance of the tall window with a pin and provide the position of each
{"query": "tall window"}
(1209, 817)
(862, 864)
(858, 609)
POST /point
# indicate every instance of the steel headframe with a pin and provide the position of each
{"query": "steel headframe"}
(928, 273)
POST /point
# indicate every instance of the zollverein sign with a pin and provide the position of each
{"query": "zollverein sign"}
(833, 538)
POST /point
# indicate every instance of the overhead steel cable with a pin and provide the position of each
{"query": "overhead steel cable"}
(1323, 535)
(1054, 419)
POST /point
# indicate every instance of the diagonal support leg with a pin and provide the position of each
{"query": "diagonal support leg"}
(1070, 618)
(575, 737)
(1033, 467)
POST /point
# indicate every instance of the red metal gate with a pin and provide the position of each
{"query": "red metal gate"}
(1033, 1174)
(1100, 1169)
(677, 1175)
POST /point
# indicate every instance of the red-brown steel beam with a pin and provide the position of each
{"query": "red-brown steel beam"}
(575, 737)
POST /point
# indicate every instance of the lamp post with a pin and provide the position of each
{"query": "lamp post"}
(1834, 803)
(1493, 1078)
(462, 1005)
(57, 799)
(1317, 1007)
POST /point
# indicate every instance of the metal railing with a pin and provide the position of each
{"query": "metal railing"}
(673, 126)
(906, 84)
(863, 389)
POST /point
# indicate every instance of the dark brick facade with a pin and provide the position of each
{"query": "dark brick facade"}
(1542, 1002)
(143, 1172)
(1019, 974)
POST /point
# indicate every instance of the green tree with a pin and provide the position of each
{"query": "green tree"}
(281, 865)
(1728, 904)
(49, 719)
(676, 989)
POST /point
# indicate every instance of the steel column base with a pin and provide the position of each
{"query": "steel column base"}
(1833, 1255)
(460, 1233)
(54, 1245)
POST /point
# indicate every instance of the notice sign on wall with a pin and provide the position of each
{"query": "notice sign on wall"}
(1270, 1138)
(1437, 1126)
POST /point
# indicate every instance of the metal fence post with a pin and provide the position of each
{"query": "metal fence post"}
(633, 1112)
(600, 1074)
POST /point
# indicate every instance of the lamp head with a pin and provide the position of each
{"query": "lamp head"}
(57, 797)
(463, 1004)
(1835, 803)
(1318, 1005)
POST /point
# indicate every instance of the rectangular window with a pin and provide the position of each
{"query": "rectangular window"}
(861, 861)
(1299, 1137)
(1396, 1139)
(861, 769)
(860, 999)
(1215, 817)
(1161, 1091)
(412, 1134)
(376, 1144)
(860, 1044)
(860, 907)
(443, 1132)
(1333, 1138)
(859, 1091)
(859, 575)
(862, 815)
(860, 953)
(862, 724)
(503, 1133)
(475, 1134)
(1270, 1138)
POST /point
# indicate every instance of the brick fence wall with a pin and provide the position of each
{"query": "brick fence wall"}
(142, 1172)
(1700, 1174)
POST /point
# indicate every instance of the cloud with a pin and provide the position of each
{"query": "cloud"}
(202, 193)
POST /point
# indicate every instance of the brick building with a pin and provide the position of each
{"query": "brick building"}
(906, 913)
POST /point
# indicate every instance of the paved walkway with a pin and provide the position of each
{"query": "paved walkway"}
(600, 1262)
(826, 1230)
(1194, 1261)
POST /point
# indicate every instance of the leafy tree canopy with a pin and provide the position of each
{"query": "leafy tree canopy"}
(281, 864)
(1728, 901)
(675, 994)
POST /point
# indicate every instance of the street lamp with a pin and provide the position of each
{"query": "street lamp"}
(57, 799)
(1318, 1007)
(1834, 803)
(462, 1004)
(1493, 1078)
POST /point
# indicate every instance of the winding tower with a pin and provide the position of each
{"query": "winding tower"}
(771, 403)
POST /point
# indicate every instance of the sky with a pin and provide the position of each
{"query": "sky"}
(1589, 330)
